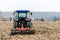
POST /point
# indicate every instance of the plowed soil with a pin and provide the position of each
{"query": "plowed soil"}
(44, 31)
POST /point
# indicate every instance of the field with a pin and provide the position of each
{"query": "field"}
(44, 31)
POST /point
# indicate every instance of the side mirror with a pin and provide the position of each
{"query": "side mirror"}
(31, 13)
(13, 13)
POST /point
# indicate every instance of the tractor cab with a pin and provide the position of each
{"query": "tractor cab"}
(21, 14)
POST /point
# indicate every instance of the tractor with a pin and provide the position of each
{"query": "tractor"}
(22, 23)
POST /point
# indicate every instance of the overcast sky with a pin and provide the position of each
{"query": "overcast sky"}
(33, 5)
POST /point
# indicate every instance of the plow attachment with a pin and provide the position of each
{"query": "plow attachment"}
(22, 31)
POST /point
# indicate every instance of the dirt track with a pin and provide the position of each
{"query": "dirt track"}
(44, 31)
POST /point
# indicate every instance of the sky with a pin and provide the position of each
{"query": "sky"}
(32, 5)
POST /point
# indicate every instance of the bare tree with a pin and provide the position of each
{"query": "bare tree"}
(42, 19)
(55, 18)
(36, 19)
(10, 18)
(0, 15)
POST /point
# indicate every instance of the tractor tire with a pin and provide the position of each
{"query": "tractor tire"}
(12, 31)
(31, 32)
(29, 24)
(15, 24)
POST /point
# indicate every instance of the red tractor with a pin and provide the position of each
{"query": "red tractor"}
(22, 24)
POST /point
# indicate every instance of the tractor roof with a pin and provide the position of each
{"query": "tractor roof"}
(22, 11)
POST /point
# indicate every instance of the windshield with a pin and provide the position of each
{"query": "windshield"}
(22, 14)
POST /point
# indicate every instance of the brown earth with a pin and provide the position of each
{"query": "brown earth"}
(44, 31)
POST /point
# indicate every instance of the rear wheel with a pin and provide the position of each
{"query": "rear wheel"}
(29, 24)
(15, 24)
(31, 32)
(13, 31)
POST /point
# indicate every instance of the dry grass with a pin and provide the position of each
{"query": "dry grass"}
(44, 31)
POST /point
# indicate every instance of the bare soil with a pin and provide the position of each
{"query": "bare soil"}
(44, 31)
